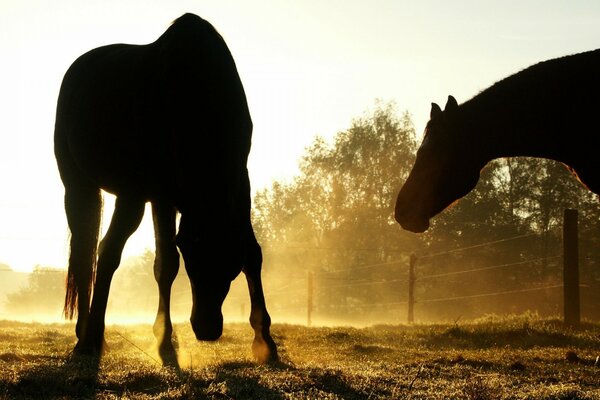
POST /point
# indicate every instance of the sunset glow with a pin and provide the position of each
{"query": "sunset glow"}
(308, 69)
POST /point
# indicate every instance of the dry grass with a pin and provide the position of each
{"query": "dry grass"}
(515, 358)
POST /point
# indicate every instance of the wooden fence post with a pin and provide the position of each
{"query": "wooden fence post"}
(309, 298)
(571, 269)
(411, 288)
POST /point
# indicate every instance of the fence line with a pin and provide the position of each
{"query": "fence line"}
(363, 267)
(285, 287)
(477, 245)
(339, 305)
(299, 285)
(350, 283)
(398, 261)
(365, 283)
(404, 251)
(373, 249)
(358, 282)
(489, 294)
(420, 301)
(487, 268)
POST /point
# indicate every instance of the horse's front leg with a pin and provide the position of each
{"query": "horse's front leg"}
(166, 266)
(263, 346)
(126, 218)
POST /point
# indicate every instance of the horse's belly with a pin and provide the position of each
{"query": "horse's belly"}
(120, 167)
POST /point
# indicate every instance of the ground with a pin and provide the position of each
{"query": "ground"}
(521, 357)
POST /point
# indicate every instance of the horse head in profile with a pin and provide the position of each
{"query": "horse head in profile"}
(445, 170)
(526, 114)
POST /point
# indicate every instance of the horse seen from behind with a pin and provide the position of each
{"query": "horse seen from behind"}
(548, 110)
(166, 123)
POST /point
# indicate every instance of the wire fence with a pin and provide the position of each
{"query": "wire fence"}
(360, 289)
(472, 279)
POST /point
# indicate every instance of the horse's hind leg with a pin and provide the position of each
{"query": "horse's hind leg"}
(125, 220)
(263, 346)
(166, 266)
(83, 207)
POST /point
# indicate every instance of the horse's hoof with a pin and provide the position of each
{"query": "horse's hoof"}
(85, 349)
(168, 354)
(81, 353)
(265, 350)
(168, 357)
(84, 357)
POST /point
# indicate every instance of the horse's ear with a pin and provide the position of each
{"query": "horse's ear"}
(435, 110)
(451, 104)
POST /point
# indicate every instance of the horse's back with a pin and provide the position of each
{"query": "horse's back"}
(571, 99)
(555, 101)
(96, 128)
(570, 83)
(131, 117)
(99, 89)
(557, 97)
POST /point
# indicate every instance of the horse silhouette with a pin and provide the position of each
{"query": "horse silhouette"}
(548, 110)
(166, 123)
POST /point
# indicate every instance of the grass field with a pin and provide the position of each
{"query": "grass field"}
(520, 357)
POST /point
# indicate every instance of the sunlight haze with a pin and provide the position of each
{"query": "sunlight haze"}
(308, 68)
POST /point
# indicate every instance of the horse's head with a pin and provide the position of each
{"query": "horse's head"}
(445, 170)
(212, 261)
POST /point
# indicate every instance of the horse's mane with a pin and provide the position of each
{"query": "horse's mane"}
(555, 75)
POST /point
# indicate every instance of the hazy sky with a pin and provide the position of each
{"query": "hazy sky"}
(309, 67)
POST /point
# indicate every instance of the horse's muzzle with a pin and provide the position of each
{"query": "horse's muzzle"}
(208, 328)
(411, 221)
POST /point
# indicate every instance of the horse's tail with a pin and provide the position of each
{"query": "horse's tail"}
(84, 214)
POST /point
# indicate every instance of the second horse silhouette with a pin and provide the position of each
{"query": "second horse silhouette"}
(548, 110)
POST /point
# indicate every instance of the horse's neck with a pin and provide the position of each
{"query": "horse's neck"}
(496, 133)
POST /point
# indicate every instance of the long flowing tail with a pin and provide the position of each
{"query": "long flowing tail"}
(84, 214)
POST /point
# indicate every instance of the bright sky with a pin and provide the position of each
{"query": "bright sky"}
(309, 67)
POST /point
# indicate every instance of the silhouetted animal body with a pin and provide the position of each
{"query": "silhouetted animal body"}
(167, 123)
(548, 110)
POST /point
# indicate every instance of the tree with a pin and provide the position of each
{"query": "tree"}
(42, 297)
(337, 216)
